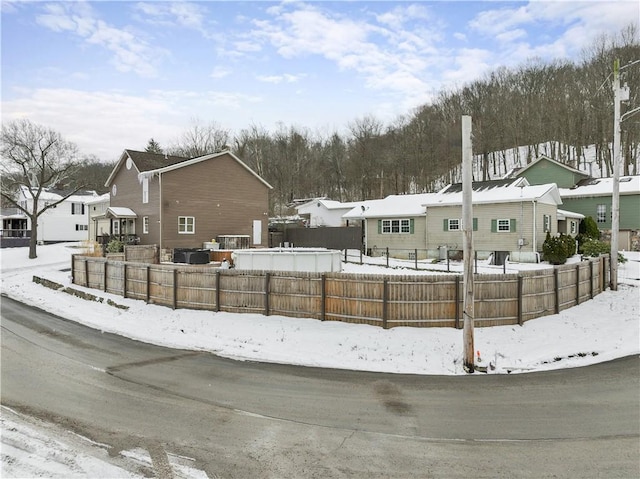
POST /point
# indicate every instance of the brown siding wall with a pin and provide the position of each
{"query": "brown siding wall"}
(129, 195)
(223, 197)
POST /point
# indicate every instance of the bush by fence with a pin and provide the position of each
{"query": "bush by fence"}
(380, 300)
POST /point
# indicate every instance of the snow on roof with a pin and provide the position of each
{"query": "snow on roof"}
(629, 185)
(564, 214)
(121, 212)
(505, 194)
(99, 199)
(394, 205)
(50, 194)
(415, 205)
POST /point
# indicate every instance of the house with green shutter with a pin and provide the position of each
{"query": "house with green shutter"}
(508, 216)
(594, 197)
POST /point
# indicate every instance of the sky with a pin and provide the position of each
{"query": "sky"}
(601, 329)
(112, 75)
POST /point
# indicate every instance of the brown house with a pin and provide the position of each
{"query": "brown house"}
(177, 202)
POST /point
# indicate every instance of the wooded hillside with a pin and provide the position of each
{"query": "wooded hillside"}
(562, 109)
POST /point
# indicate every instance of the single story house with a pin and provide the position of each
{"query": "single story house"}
(325, 212)
(508, 215)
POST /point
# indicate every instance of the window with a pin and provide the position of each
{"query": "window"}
(503, 226)
(82, 227)
(456, 224)
(186, 225)
(574, 227)
(145, 190)
(77, 208)
(395, 226)
(145, 225)
(546, 222)
(115, 226)
(601, 213)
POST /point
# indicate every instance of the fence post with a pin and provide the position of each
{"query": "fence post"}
(86, 272)
(104, 275)
(556, 288)
(267, 279)
(124, 280)
(148, 295)
(218, 291)
(448, 270)
(520, 299)
(457, 301)
(387, 256)
(385, 302)
(360, 255)
(323, 297)
(591, 279)
(73, 269)
(415, 252)
(475, 262)
(175, 288)
(345, 255)
(577, 284)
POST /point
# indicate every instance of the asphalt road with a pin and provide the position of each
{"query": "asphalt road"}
(251, 420)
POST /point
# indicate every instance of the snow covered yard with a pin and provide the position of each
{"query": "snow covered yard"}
(604, 328)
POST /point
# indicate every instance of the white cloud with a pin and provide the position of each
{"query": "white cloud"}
(285, 78)
(130, 52)
(220, 72)
(104, 123)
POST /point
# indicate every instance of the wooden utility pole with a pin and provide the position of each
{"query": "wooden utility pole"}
(467, 229)
(615, 198)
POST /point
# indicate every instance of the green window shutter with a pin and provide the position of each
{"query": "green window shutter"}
(411, 226)
(379, 227)
(494, 226)
(512, 225)
(475, 224)
(445, 225)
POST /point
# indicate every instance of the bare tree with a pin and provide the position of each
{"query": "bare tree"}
(34, 158)
(201, 140)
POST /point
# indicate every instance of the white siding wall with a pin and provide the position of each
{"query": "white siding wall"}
(59, 224)
(484, 239)
(395, 241)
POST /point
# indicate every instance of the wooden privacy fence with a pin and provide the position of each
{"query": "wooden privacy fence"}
(380, 300)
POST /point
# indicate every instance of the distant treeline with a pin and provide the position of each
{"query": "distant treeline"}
(566, 106)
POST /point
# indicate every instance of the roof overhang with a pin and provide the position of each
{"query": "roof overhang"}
(120, 213)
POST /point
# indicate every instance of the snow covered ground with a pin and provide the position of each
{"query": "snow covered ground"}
(601, 329)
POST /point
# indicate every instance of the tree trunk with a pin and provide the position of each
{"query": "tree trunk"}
(33, 241)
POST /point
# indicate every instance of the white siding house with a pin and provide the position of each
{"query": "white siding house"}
(66, 221)
(323, 212)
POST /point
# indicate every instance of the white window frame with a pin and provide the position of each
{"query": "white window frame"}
(601, 214)
(546, 221)
(453, 224)
(77, 206)
(500, 226)
(145, 225)
(574, 227)
(115, 226)
(186, 225)
(399, 226)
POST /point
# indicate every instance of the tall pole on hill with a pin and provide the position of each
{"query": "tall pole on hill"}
(615, 198)
(467, 253)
